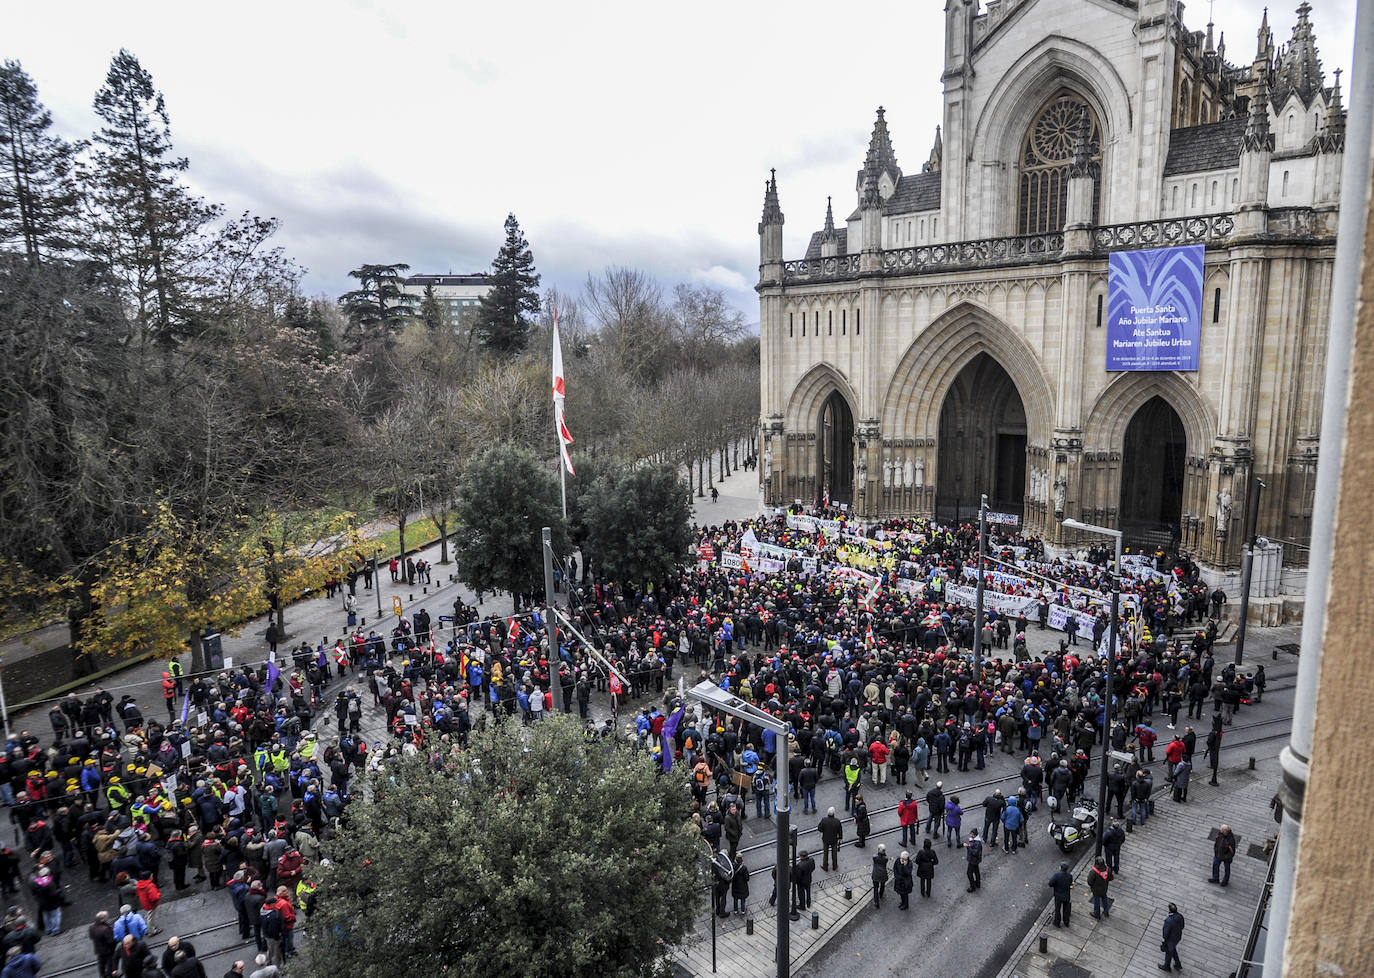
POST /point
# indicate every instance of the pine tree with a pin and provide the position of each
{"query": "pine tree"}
(378, 308)
(432, 311)
(38, 198)
(146, 225)
(503, 322)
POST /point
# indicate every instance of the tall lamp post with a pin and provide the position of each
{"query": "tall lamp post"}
(712, 696)
(1109, 669)
(1247, 565)
(978, 603)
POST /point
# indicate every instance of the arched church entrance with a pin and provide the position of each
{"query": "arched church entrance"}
(835, 460)
(1153, 455)
(982, 445)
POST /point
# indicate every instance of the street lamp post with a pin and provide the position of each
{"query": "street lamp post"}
(1247, 566)
(1109, 669)
(712, 696)
(978, 603)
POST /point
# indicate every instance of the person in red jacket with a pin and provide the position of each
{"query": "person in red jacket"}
(288, 914)
(289, 869)
(1173, 754)
(149, 898)
(910, 819)
(877, 754)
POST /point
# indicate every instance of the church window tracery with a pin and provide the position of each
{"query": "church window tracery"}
(1046, 156)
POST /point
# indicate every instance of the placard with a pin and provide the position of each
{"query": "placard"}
(228, 662)
(1154, 308)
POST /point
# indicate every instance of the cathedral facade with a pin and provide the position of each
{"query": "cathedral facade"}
(946, 339)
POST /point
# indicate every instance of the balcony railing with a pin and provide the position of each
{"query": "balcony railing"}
(820, 269)
(1026, 249)
(1202, 229)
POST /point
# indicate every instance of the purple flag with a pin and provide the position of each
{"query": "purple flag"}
(185, 707)
(669, 732)
(273, 674)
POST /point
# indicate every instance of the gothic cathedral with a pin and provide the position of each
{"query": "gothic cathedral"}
(947, 338)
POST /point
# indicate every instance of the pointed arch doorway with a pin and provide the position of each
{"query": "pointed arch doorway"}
(1153, 455)
(982, 446)
(835, 460)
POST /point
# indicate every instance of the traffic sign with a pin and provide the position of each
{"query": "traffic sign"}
(396, 605)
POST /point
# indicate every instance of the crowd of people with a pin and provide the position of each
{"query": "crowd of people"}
(243, 783)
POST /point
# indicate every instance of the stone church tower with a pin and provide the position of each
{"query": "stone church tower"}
(947, 338)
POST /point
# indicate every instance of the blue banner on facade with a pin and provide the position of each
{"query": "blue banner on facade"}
(1154, 309)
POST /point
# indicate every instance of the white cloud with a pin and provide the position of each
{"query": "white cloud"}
(723, 278)
(618, 132)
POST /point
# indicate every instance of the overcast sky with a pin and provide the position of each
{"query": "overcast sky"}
(619, 133)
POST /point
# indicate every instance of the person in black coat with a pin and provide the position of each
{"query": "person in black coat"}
(880, 875)
(1062, 885)
(801, 880)
(1173, 933)
(1112, 840)
(739, 886)
(903, 874)
(832, 831)
(862, 824)
(926, 861)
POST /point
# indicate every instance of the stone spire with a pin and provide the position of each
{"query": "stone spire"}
(1331, 139)
(1299, 70)
(881, 158)
(1083, 165)
(1264, 47)
(772, 211)
(829, 240)
(1257, 136)
(937, 152)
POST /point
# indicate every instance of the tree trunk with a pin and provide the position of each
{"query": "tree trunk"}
(701, 482)
(401, 534)
(725, 460)
(198, 663)
(443, 538)
(710, 469)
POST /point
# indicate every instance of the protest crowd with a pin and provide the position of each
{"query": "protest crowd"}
(857, 634)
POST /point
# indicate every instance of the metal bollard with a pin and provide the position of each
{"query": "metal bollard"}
(364, 622)
(815, 920)
(1252, 763)
(412, 597)
(1044, 944)
(848, 892)
(749, 924)
(424, 590)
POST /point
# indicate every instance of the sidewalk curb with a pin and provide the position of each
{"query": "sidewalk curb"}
(834, 930)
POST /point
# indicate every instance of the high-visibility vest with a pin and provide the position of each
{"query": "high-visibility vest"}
(117, 795)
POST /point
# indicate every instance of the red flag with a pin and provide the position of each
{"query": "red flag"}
(559, 392)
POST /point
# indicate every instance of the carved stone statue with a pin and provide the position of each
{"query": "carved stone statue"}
(887, 470)
(921, 471)
(1061, 493)
(861, 471)
(909, 473)
(1223, 511)
(768, 461)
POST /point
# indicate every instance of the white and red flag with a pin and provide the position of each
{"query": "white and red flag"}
(565, 437)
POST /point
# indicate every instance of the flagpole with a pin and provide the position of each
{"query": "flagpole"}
(562, 475)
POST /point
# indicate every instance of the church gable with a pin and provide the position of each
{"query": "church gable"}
(915, 192)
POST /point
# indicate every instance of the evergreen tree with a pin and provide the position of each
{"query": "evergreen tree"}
(503, 322)
(432, 311)
(146, 225)
(38, 199)
(636, 521)
(378, 308)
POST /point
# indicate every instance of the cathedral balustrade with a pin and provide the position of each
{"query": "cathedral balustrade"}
(821, 269)
(1202, 229)
(1025, 249)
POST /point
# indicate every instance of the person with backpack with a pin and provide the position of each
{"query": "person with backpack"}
(973, 851)
(880, 875)
(129, 924)
(272, 925)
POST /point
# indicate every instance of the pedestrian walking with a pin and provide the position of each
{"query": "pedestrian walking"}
(935, 808)
(880, 875)
(801, 880)
(910, 819)
(862, 824)
(926, 861)
(1098, 878)
(1012, 820)
(1112, 840)
(1173, 933)
(954, 822)
(1223, 851)
(1062, 885)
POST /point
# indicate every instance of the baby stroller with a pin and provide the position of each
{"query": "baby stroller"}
(1070, 829)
